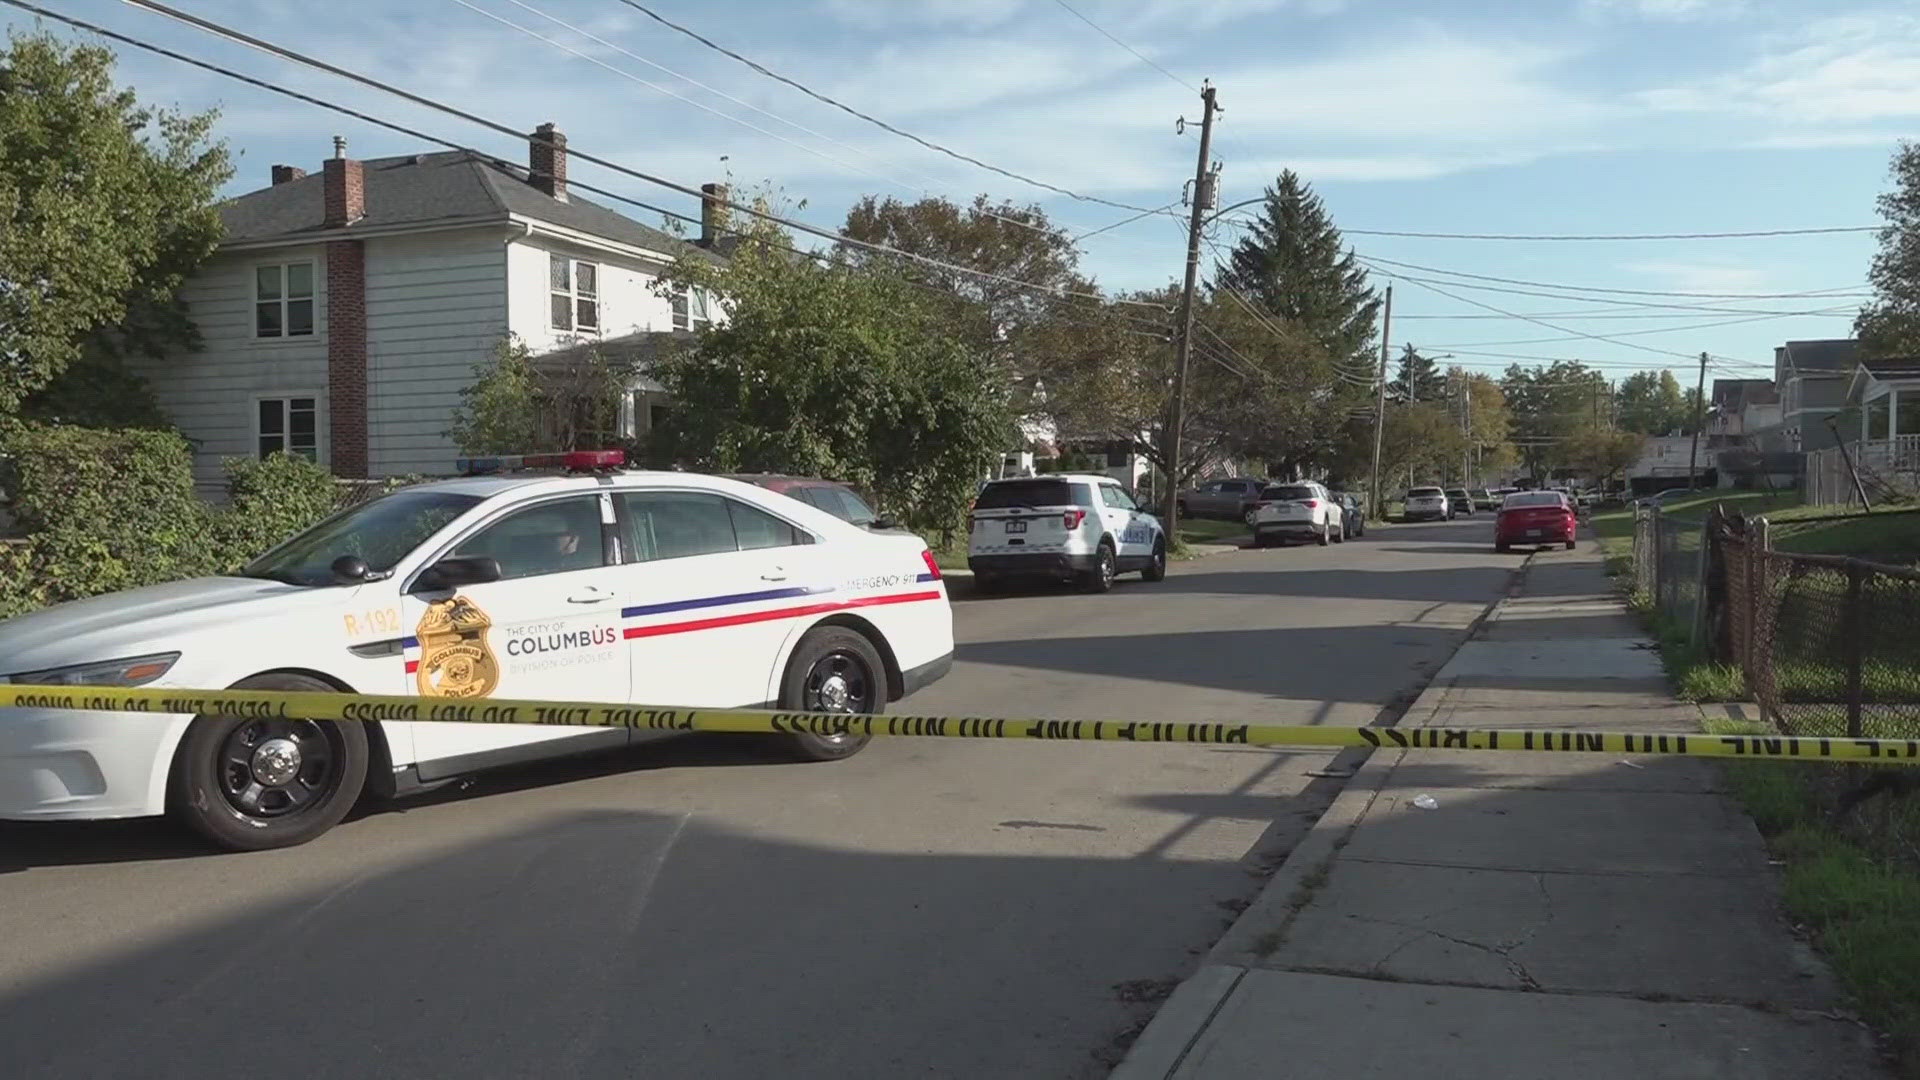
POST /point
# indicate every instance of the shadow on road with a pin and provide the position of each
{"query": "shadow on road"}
(1328, 663)
(618, 944)
(1466, 585)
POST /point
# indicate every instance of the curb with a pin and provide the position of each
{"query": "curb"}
(1259, 930)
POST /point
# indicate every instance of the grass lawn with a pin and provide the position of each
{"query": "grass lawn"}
(1209, 531)
(1854, 883)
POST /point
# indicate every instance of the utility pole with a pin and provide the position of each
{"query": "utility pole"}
(1699, 410)
(1466, 430)
(1200, 192)
(1380, 409)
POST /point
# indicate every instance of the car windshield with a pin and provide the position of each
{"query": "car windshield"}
(1025, 494)
(1289, 493)
(1457, 493)
(1533, 499)
(1424, 493)
(380, 532)
(844, 504)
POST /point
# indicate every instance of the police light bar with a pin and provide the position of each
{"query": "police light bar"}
(571, 461)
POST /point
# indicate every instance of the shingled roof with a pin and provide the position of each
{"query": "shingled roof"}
(423, 189)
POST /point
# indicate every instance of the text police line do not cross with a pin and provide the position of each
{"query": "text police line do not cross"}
(308, 705)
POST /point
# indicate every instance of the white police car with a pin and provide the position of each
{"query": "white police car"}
(1072, 527)
(614, 586)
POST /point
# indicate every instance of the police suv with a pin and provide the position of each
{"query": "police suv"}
(1068, 527)
(588, 584)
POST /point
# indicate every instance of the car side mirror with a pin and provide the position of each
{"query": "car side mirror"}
(882, 523)
(451, 573)
(349, 569)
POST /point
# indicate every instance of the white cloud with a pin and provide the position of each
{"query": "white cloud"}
(975, 14)
(1855, 69)
(1671, 10)
(1704, 277)
(956, 73)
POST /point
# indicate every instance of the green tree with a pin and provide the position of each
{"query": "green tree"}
(520, 404)
(1603, 453)
(1890, 324)
(1418, 379)
(823, 368)
(1652, 403)
(1548, 405)
(105, 208)
(1422, 440)
(1290, 264)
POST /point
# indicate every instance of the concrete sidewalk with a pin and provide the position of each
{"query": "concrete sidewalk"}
(1564, 917)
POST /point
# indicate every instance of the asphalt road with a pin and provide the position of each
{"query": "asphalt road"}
(928, 908)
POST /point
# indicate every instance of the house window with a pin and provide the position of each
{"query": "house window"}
(690, 307)
(290, 424)
(574, 293)
(283, 300)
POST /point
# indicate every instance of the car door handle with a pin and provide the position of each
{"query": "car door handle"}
(590, 596)
(777, 573)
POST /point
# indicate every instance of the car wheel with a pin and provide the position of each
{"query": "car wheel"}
(1340, 534)
(1180, 508)
(1156, 568)
(1248, 515)
(833, 670)
(250, 785)
(1502, 547)
(1569, 543)
(1326, 535)
(1100, 578)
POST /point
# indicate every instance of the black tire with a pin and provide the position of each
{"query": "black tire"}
(1324, 538)
(1247, 514)
(1100, 578)
(221, 785)
(1569, 545)
(1502, 548)
(1156, 568)
(824, 654)
(1341, 536)
(1180, 508)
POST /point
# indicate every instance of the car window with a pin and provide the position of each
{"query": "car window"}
(754, 528)
(1034, 493)
(380, 531)
(1117, 497)
(548, 538)
(676, 524)
(1532, 499)
(1290, 493)
(843, 504)
(1423, 493)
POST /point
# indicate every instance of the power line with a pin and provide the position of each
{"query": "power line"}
(869, 118)
(1709, 308)
(1125, 221)
(1838, 291)
(481, 155)
(1242, 220)
(503, 129)
(1136, 52)
(1654, 330)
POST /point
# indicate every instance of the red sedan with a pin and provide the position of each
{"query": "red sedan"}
(1534, 517)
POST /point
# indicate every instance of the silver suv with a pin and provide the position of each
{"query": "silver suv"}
(1427, 504)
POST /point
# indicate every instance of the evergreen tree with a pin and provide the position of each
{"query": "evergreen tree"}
(1292, 265)
(1419, 379)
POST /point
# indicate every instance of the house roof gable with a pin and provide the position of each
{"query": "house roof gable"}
(430, 189)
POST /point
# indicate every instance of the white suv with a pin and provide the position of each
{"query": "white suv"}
(1070, 527)
(1298, 512)
(1427, 504)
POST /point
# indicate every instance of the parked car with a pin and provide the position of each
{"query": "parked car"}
(1230, 498)
(594, 584)
(1069, 527)
(1459, 502)
(1484, 499)
(1297, 512)
(1662, 498)
(1534, 517)
(1353, 514)
(1426, 504)
(836, 498)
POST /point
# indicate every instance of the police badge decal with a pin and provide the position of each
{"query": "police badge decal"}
(455, 660)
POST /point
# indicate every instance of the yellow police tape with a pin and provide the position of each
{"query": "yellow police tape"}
(308, 705)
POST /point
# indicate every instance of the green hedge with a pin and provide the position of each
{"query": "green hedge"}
(105, 510)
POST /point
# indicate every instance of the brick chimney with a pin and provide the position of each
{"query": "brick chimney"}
(547, 161)
(286, 174)
(713, 212)
(346, 187)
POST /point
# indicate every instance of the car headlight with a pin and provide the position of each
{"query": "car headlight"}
(133, 671)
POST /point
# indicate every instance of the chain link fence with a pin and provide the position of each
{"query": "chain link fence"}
(1829, 645)
(1670, 563)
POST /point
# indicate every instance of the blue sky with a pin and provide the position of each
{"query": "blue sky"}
(1498, 116)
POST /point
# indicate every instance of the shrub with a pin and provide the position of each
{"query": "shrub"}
(271, 500)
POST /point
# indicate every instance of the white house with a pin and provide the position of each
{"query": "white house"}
(343, 313)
